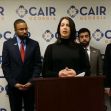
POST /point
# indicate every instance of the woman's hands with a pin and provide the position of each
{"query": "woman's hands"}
(108, 91)
(67, 72)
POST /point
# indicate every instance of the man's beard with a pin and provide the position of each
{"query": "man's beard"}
(23, 37)
(85, 44)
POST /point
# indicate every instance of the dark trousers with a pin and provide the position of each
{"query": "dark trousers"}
(21, 99)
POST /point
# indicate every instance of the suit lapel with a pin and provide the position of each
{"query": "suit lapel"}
(90, 54)
(27, 50)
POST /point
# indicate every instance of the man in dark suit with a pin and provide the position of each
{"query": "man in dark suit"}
(21, 62)
(107, 70)
(94, 54)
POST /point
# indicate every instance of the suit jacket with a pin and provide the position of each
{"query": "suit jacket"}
(107, 66)
(15, 71)
(95, 62)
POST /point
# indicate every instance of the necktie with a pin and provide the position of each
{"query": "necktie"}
(22, 51)
(87, 62)
(87, 53)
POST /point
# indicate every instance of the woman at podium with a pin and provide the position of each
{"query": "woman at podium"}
(65, 58)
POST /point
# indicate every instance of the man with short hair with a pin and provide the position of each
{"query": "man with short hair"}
(94, 54)
(21, 62)
(107, 73)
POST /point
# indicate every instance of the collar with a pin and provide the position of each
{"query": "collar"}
(88, 48)
(19, 40)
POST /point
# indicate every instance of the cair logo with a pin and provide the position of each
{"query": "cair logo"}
(72, 11)
(92, 12)
(8, 35)
(36, 11)
(1, 11)
(0, 35)
(1, 88)
(47, 35)
(2, 109)
(0, 59)
(98, 35)
(21, 11)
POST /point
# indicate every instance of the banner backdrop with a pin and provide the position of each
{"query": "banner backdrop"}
(42, 17)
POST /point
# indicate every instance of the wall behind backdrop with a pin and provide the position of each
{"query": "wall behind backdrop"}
(42, 17)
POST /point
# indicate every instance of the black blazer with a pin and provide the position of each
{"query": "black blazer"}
(107, 66)
(13, 69)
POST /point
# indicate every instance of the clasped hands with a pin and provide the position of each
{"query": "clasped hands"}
(23, 86)
(67, 72)
(108, 91)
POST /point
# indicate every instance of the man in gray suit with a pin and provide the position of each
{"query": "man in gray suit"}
(94, 54)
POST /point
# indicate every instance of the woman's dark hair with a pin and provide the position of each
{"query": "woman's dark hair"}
(72, 29)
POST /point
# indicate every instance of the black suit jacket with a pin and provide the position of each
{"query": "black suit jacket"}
(107, 66)
(14, 70)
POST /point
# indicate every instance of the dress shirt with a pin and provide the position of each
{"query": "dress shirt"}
(19, 43)
(88, 51)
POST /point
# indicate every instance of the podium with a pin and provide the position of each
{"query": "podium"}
(69, 94)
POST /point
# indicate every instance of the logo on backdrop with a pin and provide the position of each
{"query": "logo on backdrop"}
(21, 11)
(98, 35)
(1, 89)
(0, 59)
(8, 35)
(1, 13)
(87, 13)
(37, 13)
(0, 35)
(108, 34)
(72, 11)
(3, 109)
(47, 35)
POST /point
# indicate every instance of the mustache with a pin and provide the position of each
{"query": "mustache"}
(25, 34)
(28, 34)
(85, 41)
